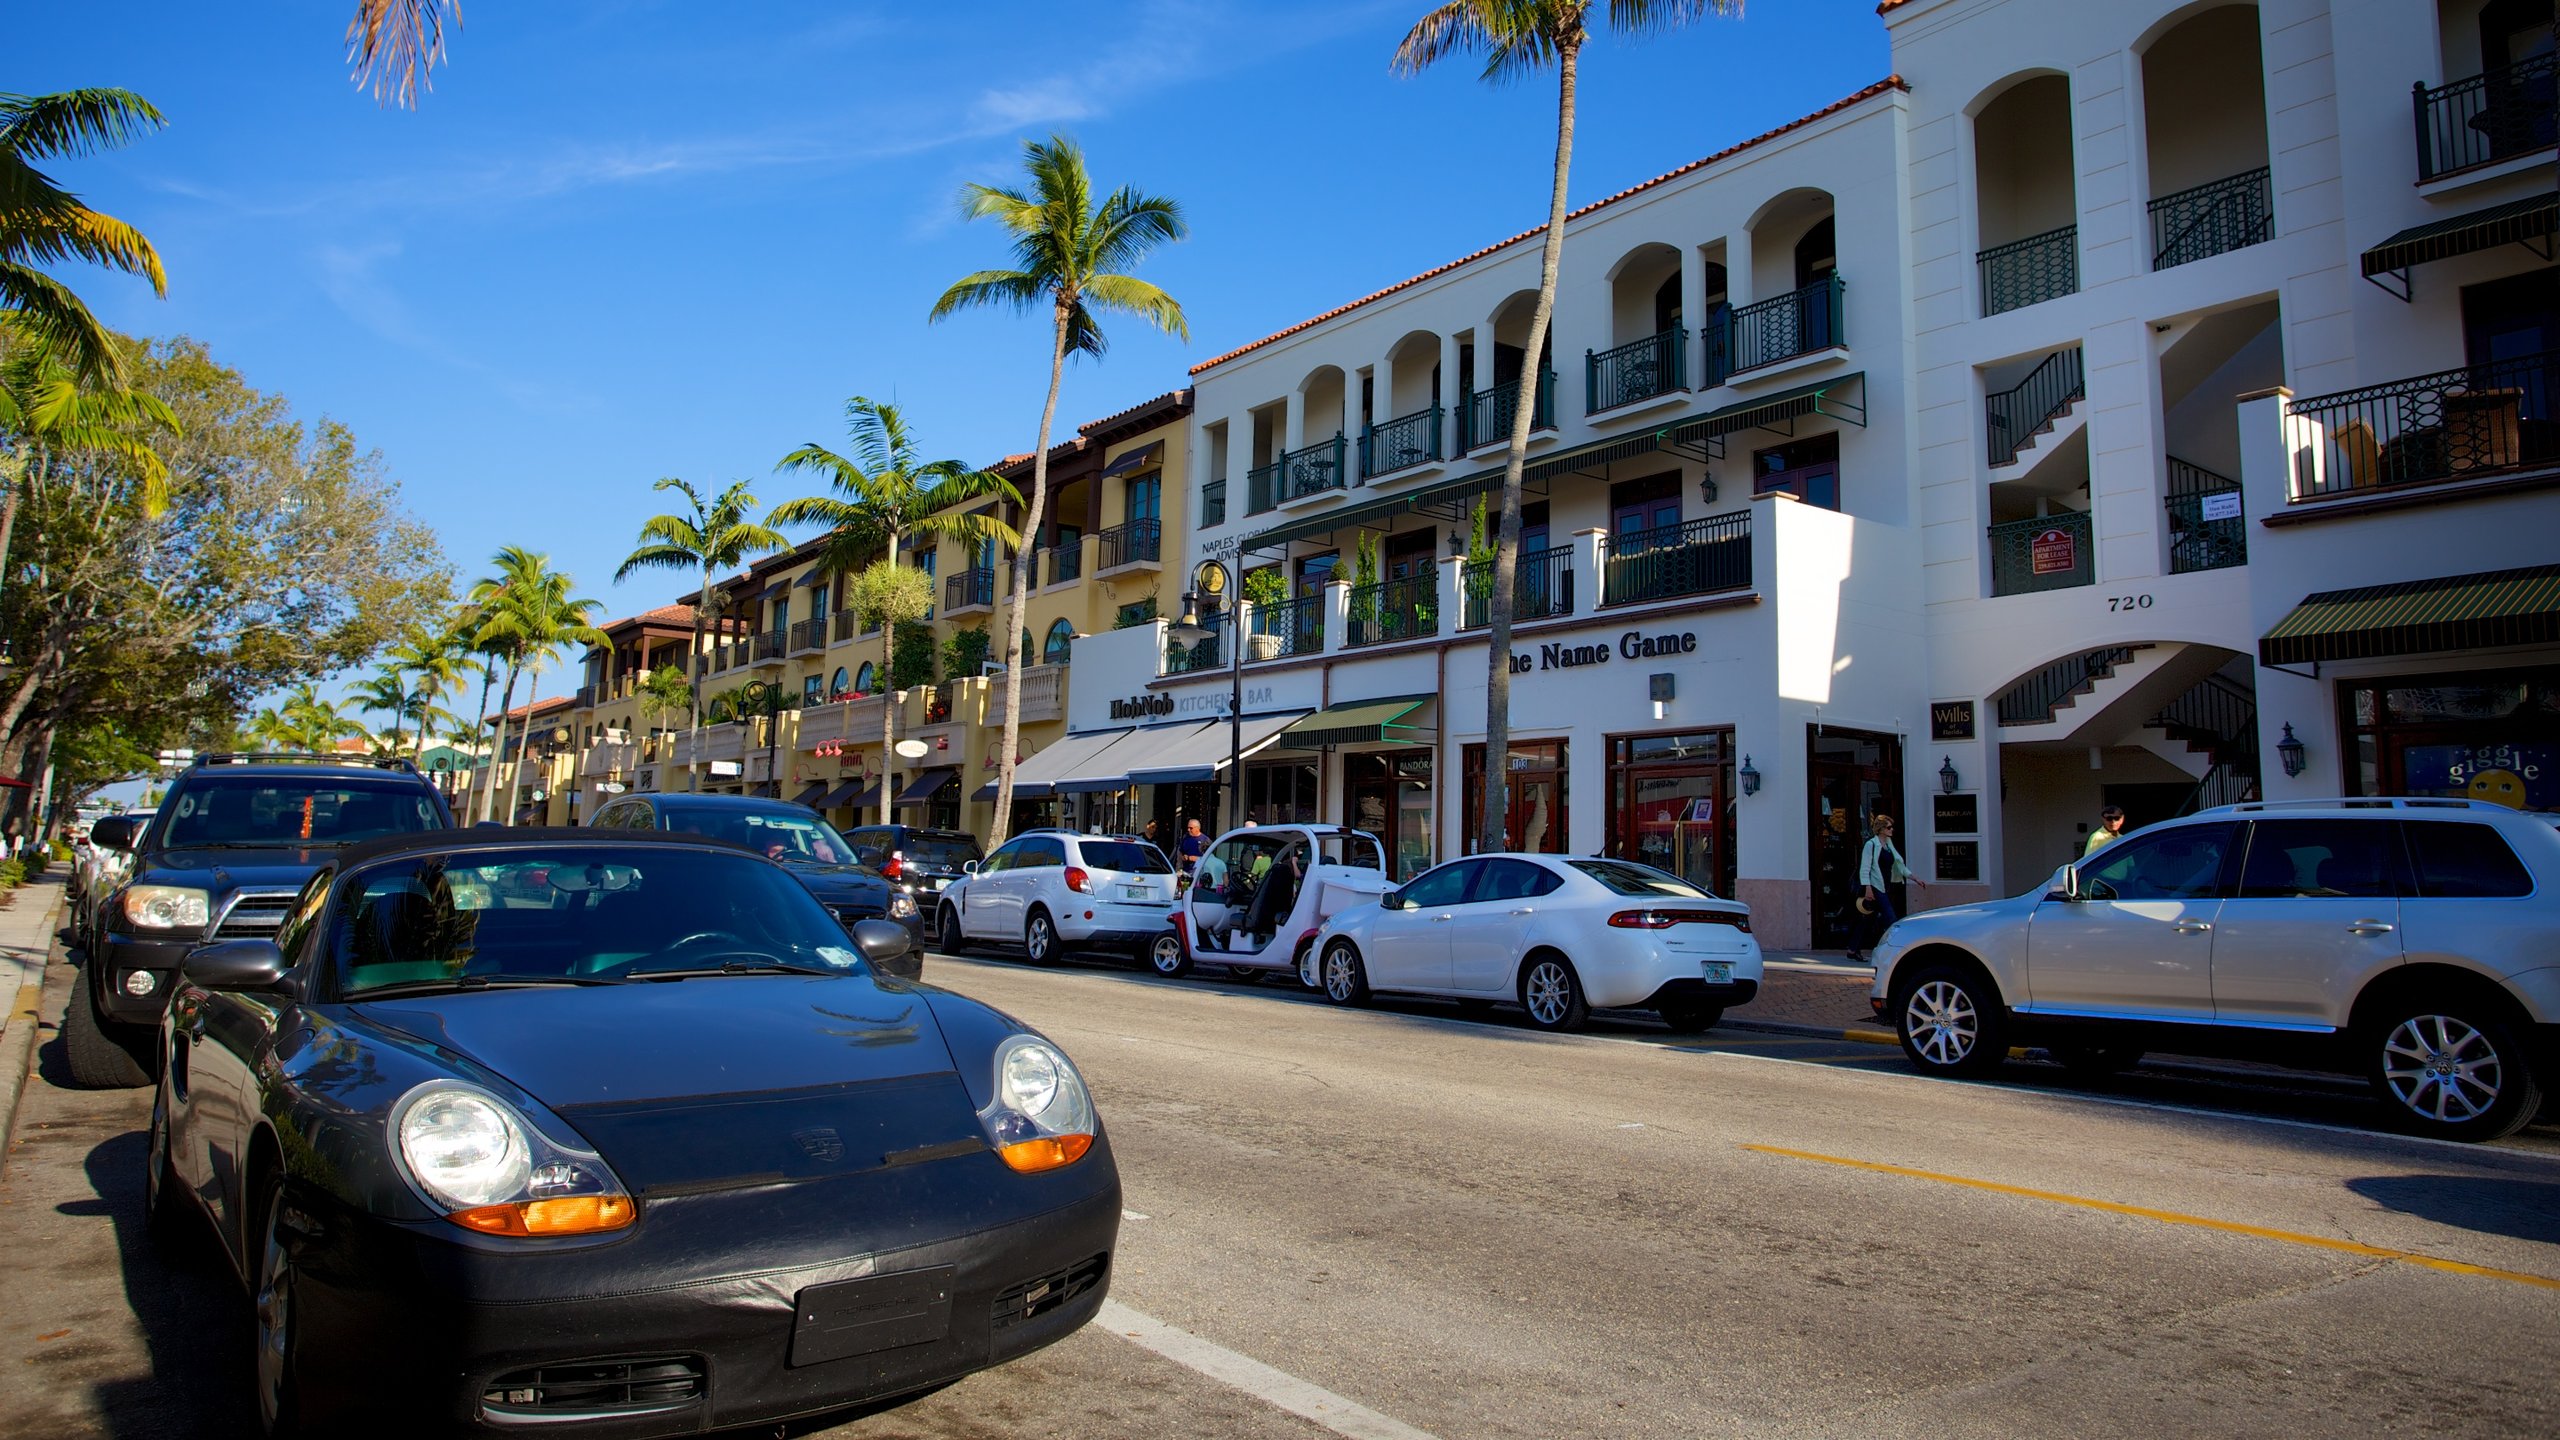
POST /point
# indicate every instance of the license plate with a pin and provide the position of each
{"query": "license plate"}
(1717, 972)
(1136, 892)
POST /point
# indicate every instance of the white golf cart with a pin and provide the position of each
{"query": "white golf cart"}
(1260, 895)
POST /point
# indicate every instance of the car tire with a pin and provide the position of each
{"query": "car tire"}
(1245, 974)
(1689, 1017)
(96, 1056)
(2093, 1062)
(1951, 1022)
(946, 931)
(1346, 980)
(1039, 937)
(1168, 956)
(1552, 993)
(1310, 969)
(274, 1296)
(2451, 1066)
(166, 1217)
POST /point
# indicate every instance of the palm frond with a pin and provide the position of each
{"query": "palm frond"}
(393, 44)
(1136, 297)
(45, 310)
(74, 122)
(1015, 290)
(659, 557)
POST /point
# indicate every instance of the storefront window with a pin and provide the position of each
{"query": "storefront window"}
(1389, 796)
(1670, 804)
(1538, 796)
(2491, 736)
(1281, 792)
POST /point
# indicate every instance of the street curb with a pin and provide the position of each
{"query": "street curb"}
(18, 1046)
(1814, 1032)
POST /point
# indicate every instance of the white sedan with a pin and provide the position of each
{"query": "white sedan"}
(1556, 934)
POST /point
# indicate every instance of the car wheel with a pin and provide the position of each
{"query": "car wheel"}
(2452, 1067)
(1689, 1017)
(1039, 937)
(1552, 993)
(174, 1229)
(1951, 1022)
(97, 1058)
(2093, 1061)
(274, 1313)
(1244, 974)
(1346, 980)
(1311, 968)
(946, 931)
(1167, 957)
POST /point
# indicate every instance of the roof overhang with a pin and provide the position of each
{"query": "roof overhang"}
(2528, 222)
(2410, 617)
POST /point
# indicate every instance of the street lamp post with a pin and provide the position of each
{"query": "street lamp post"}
(763, 697)
(1190, 631)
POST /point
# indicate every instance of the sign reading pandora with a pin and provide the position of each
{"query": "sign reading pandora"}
(1633, 645)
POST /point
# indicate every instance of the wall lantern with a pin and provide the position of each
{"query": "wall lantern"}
(2289, 750)
(1947, 780)
(1457, 543)
(1707, 488)
(1750, 777)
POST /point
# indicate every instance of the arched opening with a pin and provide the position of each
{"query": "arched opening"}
(2204, 100)
(1648, 351)
(2026, 204)
(1321, 459)
(1493, 392)
(1407, 426)
(1794, 262)
(1060, 645)
(862, 679)
(839, 684)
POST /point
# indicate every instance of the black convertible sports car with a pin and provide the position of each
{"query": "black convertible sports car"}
(613, 1133)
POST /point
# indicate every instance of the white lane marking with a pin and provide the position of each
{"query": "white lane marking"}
(1272, 1387)
(1134, 1215)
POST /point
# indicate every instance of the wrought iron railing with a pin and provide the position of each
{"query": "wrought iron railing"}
(2032, 700)
(1401, 443)
(1137, 542)
(810, 634)
(1783, 327)
(2490, 117)
(2031, 406)
(969, 587)
(2208, 530)
(1285, 628)
(2049, 552)
(1213, 503)
(1066, 561)
(2218, 714)
(1261, 488)
(770, 645)
(1541, 587)
(847, 625)
(1405, 609)
(1206, 654)
(2458, 425)
(1658, 364)
(2024, 272)
(1487, 416)
(1297, 474)
(1701, 557)
(2227, 214)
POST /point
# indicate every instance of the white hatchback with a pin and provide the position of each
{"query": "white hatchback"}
(1048, 891)
(1559, 935)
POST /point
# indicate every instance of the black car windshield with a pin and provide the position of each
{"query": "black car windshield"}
(781, 833)
(283, 810)
(1639, 880)
(939, 852)
(571, 914)
(1129, 857)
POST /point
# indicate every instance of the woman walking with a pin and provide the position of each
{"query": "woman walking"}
(1880, 868)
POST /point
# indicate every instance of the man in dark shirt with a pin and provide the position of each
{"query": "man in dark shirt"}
(1193, 846)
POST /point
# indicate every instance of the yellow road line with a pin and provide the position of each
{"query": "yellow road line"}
(2171, 1217)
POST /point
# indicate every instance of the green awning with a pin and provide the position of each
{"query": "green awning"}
(2532, 217)
(2451, 612)
(1365, 722)
(1822, 397)
(1447, 496)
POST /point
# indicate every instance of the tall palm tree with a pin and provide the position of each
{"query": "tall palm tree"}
(1518, 37)
(718, 533)
(884, 494)
(528, 617)
(386, 690)
(302, 721)
(439, 661)
(1070, 254)
(43, 224)
(394, 43)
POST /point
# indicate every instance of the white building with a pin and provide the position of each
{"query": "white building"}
(1908, 466)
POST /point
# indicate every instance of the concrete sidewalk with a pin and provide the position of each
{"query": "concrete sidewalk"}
(27, 924)
(1813, 994)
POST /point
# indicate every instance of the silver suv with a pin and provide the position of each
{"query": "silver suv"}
(2415, 942)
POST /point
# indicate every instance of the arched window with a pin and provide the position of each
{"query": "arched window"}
(862, 680)
(836, 686)
(1062, 637)
(1026, 645)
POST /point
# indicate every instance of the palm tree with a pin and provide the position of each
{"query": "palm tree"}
(529, 617)
(440, 660)
(1517, 37)
(386, 690)
(302, 722)
(719, 533)
(394, 43)
(886, 493)
(46, 411)
(44, 224)
(1070, 255)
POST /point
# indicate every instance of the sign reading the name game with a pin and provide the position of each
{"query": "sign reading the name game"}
(1633, 645)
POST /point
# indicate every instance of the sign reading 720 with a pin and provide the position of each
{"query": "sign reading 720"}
(2128, 602)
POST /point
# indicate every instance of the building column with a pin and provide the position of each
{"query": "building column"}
(1450, 396)
(1587, 567)
(1453, 592)
(1738, 290)
(1337, 616)
(1293, 428)
(1693, 310)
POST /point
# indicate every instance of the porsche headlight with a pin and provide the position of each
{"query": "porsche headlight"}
(468, 1154)
(167, 907)
(1041, 1117)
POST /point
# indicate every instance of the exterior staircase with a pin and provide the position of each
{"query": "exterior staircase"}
(2217, 719)
(2031, 419)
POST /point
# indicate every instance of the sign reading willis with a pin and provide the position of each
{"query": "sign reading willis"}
(1634, 645)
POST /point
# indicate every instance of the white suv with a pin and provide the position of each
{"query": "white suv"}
(1051, 890)
(2415, 942)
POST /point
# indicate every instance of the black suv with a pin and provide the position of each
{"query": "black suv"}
(792, 836)
(223, 859)
(922, 862)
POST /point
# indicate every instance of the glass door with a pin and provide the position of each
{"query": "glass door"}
(1852, 775)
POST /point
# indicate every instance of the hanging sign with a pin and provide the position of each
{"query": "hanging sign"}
(2223, 505)
(2053, 552)
(1951, 720)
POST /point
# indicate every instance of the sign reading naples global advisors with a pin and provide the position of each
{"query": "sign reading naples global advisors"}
(1633, 645)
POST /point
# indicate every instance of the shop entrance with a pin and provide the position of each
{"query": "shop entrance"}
(1388, 794)
(1535, 813)
(1671, 804)
(1851, 774)
(2479, 735)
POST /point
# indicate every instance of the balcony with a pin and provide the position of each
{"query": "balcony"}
(2030, 271)
(1800, 322)
(2213, 219)
(1486, 417)
(1541, 588)
(1066, 562)
(1401, 443)
(2488, 118)
(1391, 610)
(2013, 416)
(1286, 628)
(2207, 529)
(1701, 557)
(848, 625)
(1213, 504)
(969, 590)
(938, 702)
(1639, 370)
(772, 645)
(1298, 474)
(1044, 691)
(1208, 654)
(2469, 424)
(2048, 552)
(587, 696)
(1139, 542)
(809, 634)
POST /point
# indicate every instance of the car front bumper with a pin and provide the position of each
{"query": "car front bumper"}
(114, 956)
(820, 1296)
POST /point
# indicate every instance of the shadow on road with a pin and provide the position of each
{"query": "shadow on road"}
(2519, 1209)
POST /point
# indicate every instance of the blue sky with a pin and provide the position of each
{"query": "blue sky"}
(631, 238)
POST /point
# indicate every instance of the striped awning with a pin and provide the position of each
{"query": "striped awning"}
(2531, 218)
(1365, 722)
(1822, 397)
(2409, 617)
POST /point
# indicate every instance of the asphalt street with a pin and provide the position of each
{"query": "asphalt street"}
(1397, 1222)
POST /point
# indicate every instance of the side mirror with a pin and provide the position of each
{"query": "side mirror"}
(246, 966)
(2065, 885)
(1392, 900)
(968, 867)
(889, 948)
(114, 832)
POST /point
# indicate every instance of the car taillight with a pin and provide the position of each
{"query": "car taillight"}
(893, 867)
(1079, 881)
(1665, 919)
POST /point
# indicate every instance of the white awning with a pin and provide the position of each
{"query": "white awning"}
(1040, 774)
(1182, 754)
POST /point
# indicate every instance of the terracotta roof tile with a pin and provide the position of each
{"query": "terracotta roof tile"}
(538, 707)
(1890, 82)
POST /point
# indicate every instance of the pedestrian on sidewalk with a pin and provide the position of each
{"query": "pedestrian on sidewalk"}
(2110, 825)
(1881, 876)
